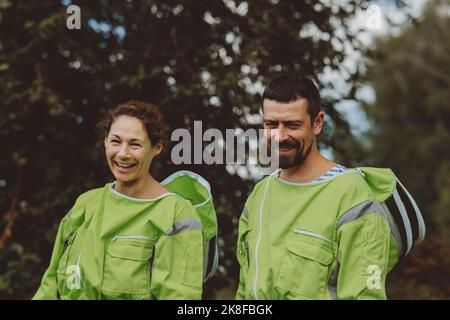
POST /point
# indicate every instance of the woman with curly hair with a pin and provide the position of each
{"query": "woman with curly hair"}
(132, 238)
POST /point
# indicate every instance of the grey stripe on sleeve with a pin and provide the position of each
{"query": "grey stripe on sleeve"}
(184, 225)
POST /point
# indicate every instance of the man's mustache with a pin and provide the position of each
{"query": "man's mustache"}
(287, 144)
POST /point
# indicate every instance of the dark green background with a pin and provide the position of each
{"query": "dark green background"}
(55, 83)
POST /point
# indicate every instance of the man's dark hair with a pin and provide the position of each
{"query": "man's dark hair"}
(291, 87)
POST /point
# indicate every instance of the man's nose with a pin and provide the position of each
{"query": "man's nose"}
(280, 133)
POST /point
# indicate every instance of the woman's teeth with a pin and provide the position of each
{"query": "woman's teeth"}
(124, 165)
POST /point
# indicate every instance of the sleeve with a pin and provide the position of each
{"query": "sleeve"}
(177, 272)
(363, 256)
(242, 253)
(48, 287)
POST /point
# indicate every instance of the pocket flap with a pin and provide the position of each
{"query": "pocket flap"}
(311, 252)
(130, 252)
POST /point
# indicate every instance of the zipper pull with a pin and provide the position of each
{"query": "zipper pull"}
(360, 172)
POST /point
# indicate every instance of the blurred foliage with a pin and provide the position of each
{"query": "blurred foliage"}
(411, 135)
(197, 60)
(424, 273)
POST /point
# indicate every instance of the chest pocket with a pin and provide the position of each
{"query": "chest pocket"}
(305, 268)
(127, 267)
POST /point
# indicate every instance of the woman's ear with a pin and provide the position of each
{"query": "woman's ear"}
(158, 148)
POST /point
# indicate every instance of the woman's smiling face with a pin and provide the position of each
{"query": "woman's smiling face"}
(128, 148)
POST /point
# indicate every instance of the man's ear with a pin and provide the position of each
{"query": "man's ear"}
(318, 123)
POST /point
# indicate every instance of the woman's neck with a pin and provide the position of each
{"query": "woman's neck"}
(144, 188)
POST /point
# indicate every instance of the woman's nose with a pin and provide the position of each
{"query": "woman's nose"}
(123, 151)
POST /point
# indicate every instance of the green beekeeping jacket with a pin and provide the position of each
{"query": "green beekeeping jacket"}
(322, 240)
(197, 190)
(111, 246)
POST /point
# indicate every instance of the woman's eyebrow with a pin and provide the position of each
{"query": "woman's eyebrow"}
(132, 139)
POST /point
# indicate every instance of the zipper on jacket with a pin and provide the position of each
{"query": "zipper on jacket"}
(132, 237)
(247, 252)
(152, 259)
(311, 234)
(69, 239)
(255, 293)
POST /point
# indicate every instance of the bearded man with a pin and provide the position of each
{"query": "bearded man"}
(312, 229)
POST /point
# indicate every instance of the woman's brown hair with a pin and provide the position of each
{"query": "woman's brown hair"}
(149, 114)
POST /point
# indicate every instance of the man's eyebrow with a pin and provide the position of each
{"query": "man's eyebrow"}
(292, 122)
(287, 122)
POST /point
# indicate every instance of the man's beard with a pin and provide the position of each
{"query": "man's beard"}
(295, 160)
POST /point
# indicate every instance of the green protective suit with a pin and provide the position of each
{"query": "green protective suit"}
(323, 240)
(197, 190)
(110, 246)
